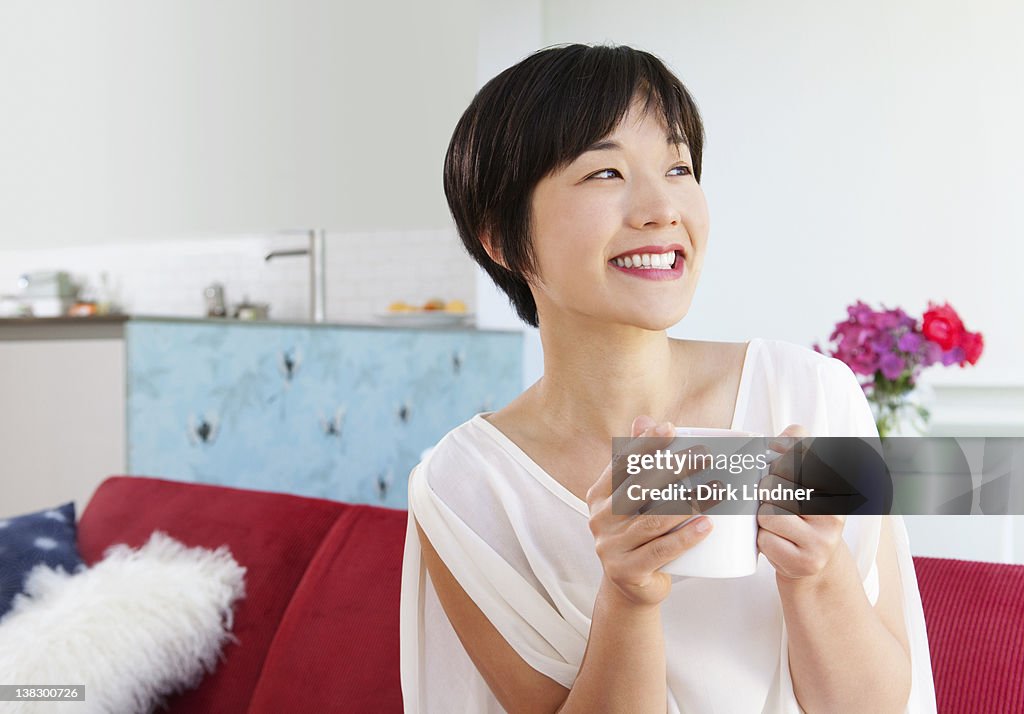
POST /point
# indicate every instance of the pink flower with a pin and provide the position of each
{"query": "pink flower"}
(910, 342)
(892, 366)
(973, 344)
(888, 343)
(943, 326)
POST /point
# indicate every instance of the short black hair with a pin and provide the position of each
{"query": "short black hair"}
(535, 118)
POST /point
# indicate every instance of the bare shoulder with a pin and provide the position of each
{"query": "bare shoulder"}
(709, 348)
(515, 419)
(714, 362)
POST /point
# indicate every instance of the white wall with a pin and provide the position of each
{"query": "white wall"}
(127, 121)
(854, 150)
(860, 152)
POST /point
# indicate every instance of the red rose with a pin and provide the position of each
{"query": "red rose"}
(972, 344)
(943, 326)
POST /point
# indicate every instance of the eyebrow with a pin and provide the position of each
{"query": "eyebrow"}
(609, 145)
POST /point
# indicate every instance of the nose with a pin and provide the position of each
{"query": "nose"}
(651, 204)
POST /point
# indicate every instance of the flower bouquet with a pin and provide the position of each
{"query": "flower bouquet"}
(892, 349)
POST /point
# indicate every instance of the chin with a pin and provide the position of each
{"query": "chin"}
(659, 318)
(656, 322)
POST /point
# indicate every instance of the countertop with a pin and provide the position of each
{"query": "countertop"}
(112, 326)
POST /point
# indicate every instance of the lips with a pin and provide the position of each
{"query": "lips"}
(650, 273)
(654, 249)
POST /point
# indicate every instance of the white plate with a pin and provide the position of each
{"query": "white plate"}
(428, 318)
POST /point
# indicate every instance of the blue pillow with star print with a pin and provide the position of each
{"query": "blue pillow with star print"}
(46, 537)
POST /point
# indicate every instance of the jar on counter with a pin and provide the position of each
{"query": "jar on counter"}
(215, 305)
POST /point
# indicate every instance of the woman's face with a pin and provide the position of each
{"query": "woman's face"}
(620, 234)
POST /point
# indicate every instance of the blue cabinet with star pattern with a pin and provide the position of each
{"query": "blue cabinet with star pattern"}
(340, 412)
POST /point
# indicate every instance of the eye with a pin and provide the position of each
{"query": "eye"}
(685, 171)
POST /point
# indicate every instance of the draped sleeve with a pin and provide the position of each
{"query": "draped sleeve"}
(471, 512)
(834, 404)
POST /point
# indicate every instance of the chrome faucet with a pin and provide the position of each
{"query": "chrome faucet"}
(317, 272)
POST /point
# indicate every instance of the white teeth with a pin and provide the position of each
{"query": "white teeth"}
(651, 261)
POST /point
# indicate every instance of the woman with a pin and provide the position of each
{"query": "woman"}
(573, 178)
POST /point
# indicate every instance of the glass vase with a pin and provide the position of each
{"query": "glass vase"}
(896, 410)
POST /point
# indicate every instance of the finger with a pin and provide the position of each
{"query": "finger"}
(657, 552)
(652, 438)
(776, 548)
(785, 457)
(783, 523)
(783, 507)
(789, 436)
(788, 458)
(665, 508)
(791, 504)
(638, 530)
(641, 424)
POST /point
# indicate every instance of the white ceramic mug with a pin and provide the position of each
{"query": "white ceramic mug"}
(730, 549)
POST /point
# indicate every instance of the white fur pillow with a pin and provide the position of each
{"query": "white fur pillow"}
(137, 626)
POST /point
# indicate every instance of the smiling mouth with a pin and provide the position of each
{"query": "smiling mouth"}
(649, 261)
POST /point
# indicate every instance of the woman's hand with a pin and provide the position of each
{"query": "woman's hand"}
(633, 547)
(800, 547)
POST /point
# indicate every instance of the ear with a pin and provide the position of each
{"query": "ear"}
(492, 250)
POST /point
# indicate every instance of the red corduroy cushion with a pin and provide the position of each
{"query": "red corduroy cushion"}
(273, 535)
(337, 647)
(974, 613)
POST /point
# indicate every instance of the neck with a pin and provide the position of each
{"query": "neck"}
(598, 378)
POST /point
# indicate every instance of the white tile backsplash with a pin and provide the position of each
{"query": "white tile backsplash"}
(365, 272)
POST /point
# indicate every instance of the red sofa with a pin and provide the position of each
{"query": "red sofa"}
(318, 629)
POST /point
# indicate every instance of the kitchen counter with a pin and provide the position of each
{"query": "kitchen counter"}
(112, 326)
(340, 411)
(62, 328)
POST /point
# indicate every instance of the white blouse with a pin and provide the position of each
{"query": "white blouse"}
(518, 543)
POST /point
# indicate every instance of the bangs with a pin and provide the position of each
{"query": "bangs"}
(590, 94)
